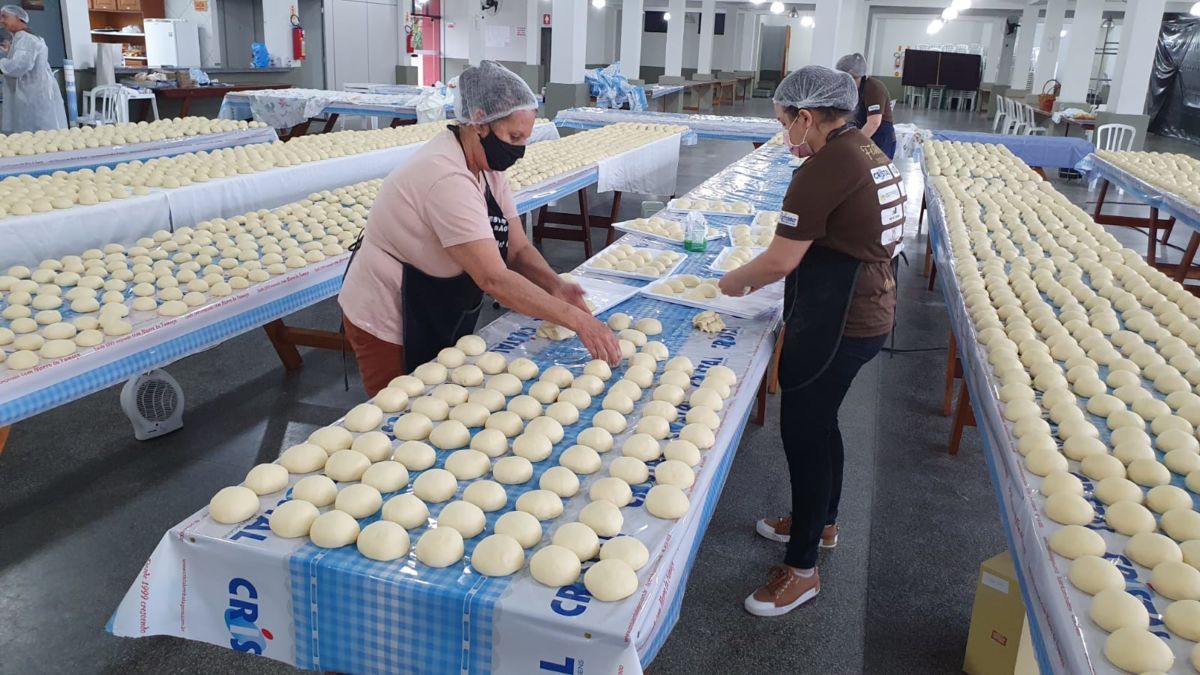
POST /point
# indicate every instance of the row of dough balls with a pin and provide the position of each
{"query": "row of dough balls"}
(643, 261)
(78, 138)
(1174, 173)
(24, 195)
(168, 273)
(548, 159)
(756, 235)
(1171, 576)
(734, 257)
(685, 204)
(689, 287)
(975, 160)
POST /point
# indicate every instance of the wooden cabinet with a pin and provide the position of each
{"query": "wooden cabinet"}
(129, 5)
(104, 5)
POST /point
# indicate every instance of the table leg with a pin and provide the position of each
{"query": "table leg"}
(587, 223)
(773, 369)
(1100, 199)
(4, 431)
(538, 225)
(285, 339)
(612, 217)
(932, 273)
(1189, 255)
(951, 375)
(1152, 240)
(963, 417)
(760, 416)
(329, 123)
(185, 106)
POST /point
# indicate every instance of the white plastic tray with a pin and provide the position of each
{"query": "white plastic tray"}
(715, 265)
(714, 233)
(673, 205)
(587, 266)
(755, 230)
(746, 307)
(759, 219)
(605, 294)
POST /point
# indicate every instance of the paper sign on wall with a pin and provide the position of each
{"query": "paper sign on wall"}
(520, 31)
(545, 19)
(497, 36)
(200, 5)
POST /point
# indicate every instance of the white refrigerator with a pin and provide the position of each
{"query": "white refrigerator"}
(172, 42)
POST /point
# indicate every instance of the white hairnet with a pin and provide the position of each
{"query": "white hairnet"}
(490, 91)
(15, 10)
(817, 87)
(855, 64)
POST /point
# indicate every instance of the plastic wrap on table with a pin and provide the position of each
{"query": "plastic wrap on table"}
(1052, 152)
(1183, 210)
(720, 127)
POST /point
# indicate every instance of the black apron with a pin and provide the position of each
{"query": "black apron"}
(438, 311)
(816, 300)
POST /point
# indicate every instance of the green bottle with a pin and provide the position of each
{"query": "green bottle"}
(695, 233)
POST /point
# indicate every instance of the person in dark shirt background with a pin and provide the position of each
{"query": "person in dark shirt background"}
(874, 112)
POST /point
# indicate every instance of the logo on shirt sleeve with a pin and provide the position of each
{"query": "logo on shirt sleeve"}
(788, 219)
(873, 108)
(881, 174)
(894, 170)
(890, 217)
(892, 235)
(888, 194)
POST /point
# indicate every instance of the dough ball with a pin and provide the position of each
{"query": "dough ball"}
(1149, 549)
(1176, 439)
(1167, 498)
(649, 326)
(558, 376)
(436, 409)
(415, 455)
(521, 526)
(611, 489)
(674, 472)
(1137, 650)
(303, 458)
(56, 349)
(407, 510)
(704, 416)
(1113, 609)
(1092, 574)
(589, 384)
(1182, 618)
(541, 504)
(579, 539)
(492, 363)
(463, 516)
(599, 369)
(320, 491)
(1176, 580)
(409, 384)
(334, 529)
(1148, 473)
(440, 547)
(1181, 524)
(512, 470)
(488, 495)
(488, 398)
(546, 426)
(1073, 541)
(620, 321)
(527, 407)
(563, 412)
(555, 566)
(544, 392)
(89, 337)
(1045, 461)
(655, 427)
(671, 394)
(233, 504)
(264, 479)
(506, 422)
(611, 580)
(384, 541)
(498, 555)
(610, 420)
(435, 486)
(642, 446)
(1069, 509)
(430, 373)
(346, 465)
(1061, 481)
(449, 435)
(666, 501)
(490, 442)
(468, 375)
(471, 345)
(560, 480)
(391, 399)
(374, 444)
(293, 519)
(413, 426)
(386, 476)
(468, 464)
(532, 446)
(332, 438)
(523, 368)
(452, 357)
(1191, 552)
(452, 394)
(629, 469)
(359, 500)
(580, 459)
(596, 438)
(618, 403)
(699, 435)
(627, 549)
(603, 517)
(1181, 461)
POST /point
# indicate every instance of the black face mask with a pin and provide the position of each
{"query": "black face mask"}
(500, 155)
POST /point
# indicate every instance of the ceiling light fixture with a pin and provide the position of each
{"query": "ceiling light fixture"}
(934, 26)
(599, 4)
(949, 14)
(1195, 10)
(777, 7)
(807, 21)
(961, 5)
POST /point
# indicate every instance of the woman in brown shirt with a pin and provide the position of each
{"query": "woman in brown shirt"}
(842, 216)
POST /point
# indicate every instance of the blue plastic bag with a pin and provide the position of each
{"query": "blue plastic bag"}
(259, 58)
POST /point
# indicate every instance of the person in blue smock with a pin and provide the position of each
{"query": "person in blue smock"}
(32, 100)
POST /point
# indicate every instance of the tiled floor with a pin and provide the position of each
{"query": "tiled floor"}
(83, 503)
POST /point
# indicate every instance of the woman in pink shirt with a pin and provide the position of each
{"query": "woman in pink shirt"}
(444, 231)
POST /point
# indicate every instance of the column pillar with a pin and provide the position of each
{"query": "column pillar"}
(708, 18)
(532, 73)
(995, 49)
(1056, 11)
(568, 52)
(631, 38)
(673, 65)
(825, 43)
(747, 53)
(476, 40)
(1023, 52)
(1139, 39)
(1085, 34)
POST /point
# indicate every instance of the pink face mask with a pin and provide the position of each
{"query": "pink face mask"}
(803, 149)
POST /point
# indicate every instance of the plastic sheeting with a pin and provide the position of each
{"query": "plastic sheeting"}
(1173, 102)
(1050, 152)
(285, 108)
(717, 127)
(1168, 202)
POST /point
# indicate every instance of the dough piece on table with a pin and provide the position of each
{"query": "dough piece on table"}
(410, 384)
(430, 373)
(560, 480)
(1176, 439)
(525, 406)
(1181, 524)
(488, 398)
(1167, 498)
(1148, 473)
(1180, 461)
(598, 368)
(440, 547)
(619, 321)
(492, 363)
(450, 435)
(1149, 549)
(610, 420)
(555, 566)
(1073, 541)
(451, 357)
(611, 489)
(627, 549)
(498, 555)
(611, 580)
(1137, 650)
(618, 403)
(667, 502)
(655, 427)
(436, 409)
(543, 392)
(649, 326)
(233, 504)
(541, 504)
(1101, 466)
(661, 409)
(523, 368)
(708, 322)
(1182, 618)
(452, 394)
(490, 442)
(56, 349)
(642, 446)
(1061, 481)
(359, 500)
(506, 421)
(320, 491)
(374, 444)
(334, 529)
(553, 331)
(674, 472)
(332, 438)
(472, 415)
(705, 416)
(563, 412)
(591, 384)
(546, 426)
(629, 469)
(303, 458)
(488, 495)
(699, 435)
(1113, 490)
(512, 470)
(683, 451)
(265, 479)
(1113, 609)
(1069, 509)
(1133, 449)
(579, 539)
(521, 526)
(391, 399)
(1176, 580)
(415, 455)
(386, 476)
(532, 446)
(435, 486)
(406, 510)
(580, 459)
(1092, 574)
(463, 516)
(384, 541)
(293, 518)
(596, 438)
(468, 464)
(346, 465)
(468, 375)
(471, 345)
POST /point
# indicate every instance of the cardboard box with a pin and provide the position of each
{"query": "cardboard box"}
(999, 641)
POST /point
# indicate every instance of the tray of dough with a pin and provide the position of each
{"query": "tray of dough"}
(692, 291)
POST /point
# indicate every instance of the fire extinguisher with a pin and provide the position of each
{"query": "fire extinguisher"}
(297, 37)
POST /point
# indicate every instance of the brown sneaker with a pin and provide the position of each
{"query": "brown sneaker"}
(784, 591)
(776, 529)
(829, 536)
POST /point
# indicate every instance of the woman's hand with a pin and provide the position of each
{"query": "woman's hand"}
(599, 339)
(733, 285)
(572, 294)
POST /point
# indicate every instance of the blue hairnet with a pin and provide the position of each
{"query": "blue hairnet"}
(490, 91)
(817, 87)
(855, 64)
(16, 11)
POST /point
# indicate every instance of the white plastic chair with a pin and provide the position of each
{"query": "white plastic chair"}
(1001, 114)
(1031, 128)
(914, 94)
(140, 95)
(1116, 137)
(109, 104)
(1015, 123)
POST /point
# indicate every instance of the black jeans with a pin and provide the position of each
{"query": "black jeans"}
(808, 423)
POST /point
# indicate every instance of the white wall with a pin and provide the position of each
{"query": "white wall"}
(654, 45)
(504, 44)
(892, 32)
(206, 22)
(365, 42)
(800, 46)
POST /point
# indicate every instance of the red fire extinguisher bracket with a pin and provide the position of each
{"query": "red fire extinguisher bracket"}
(298, 51)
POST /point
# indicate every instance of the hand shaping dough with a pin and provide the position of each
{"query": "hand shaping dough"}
(334, 529)
(463, 516)
(316, 490)
(556, 566)
(407, 510)
(1137, 650)
(415, 455)
(1113, 609)
(435, 486)
(1073, 541)
(440, 547)
(384, 541)
(498, 555)
(611, 580)
(579, 539)
(521, 526)
(293, 519)
(233, 504)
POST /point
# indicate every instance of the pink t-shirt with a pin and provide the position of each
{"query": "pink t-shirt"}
(431, 202)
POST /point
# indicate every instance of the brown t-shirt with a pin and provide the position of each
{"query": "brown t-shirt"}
(850, 198)
(875, 99)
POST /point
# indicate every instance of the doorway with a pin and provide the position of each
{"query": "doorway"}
(772, 55)
(545, 59)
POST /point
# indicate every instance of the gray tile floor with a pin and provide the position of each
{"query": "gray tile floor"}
(83, 503)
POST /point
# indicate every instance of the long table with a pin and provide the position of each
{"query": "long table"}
(290, 108)
(712, 127)
(1046, 152)
(334, 610)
